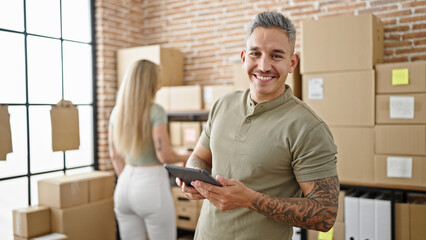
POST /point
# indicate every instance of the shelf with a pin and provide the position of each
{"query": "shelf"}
(383, 186)
(188, 116)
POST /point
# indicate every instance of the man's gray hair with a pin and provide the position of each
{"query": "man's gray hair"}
(273, 20)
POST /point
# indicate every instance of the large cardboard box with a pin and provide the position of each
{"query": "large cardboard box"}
(31, 222)
(401, 108)
(95, 220)
(62, 192)
(405, 77)
(401, 139)
(341, 99)
(241, 81)
(401, 171)
(186, 98)
(171, 61)
(73, 190)
(355, 157)
(343, 43)
(211, 93)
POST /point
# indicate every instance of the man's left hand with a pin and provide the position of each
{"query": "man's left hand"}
(233, 194)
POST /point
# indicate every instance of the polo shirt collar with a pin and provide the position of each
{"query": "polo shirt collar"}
(269, 105)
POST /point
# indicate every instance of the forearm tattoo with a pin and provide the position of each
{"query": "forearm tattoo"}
(316, 211)
(198, 163)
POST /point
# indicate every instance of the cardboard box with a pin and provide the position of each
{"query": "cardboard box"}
(95, 220)
(162, 97)
(417, 221)
(185, 98)
(73, 190)
(355, 157)
(62, 192)
(402, 221)
(101, 184)
(342, 43)
(341, 99)
(31, 221)
(191, 132)
(211, 93)
(401, 108)
(171, 62)
(400, 171)
(175, 130)
(401, 139)
(405, 77)
(242, 82)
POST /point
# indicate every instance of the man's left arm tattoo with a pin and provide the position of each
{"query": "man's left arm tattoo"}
(317, 211)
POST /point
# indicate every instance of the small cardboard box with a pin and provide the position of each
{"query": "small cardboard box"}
(355, 158)
(31, 221)
(401, 139)
(62, 192)
(191, 132)
(341, 99)
(405, 77)
(186, 98)
(342, 43)
(101, 184)
(95, 220)
(401, 171)
(171, 62)
(211, 93)
(401, 108)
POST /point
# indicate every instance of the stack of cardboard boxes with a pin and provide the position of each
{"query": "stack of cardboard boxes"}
(79, 206)
(338, 83)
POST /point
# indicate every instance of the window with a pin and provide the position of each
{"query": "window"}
(46, 54)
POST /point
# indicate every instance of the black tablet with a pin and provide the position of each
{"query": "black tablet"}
(188, 175)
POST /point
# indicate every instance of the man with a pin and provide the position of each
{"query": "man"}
(265, 147)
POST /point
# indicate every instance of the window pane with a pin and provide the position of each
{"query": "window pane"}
(84, 155)
(14, 196)
(76, 22)
(12, 67)
(12, 15)
(44, 70)
(78, 73)
(34, 184)
(43, 18)
(16, 163)
(41, 154)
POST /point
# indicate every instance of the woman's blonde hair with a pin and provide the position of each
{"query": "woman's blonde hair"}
(132, 125)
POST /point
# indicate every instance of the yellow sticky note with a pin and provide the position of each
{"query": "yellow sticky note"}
(326, 235)
(400, 76)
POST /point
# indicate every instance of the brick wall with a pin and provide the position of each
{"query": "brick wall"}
(211, 34)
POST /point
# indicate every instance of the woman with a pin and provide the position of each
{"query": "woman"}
(139, 146)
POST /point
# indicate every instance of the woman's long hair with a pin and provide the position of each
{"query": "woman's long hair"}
(132, 125)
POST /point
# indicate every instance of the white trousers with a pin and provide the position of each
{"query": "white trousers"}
(143, 204)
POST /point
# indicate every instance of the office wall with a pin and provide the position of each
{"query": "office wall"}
(211, 34)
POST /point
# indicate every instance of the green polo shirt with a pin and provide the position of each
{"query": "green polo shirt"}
(269, 147)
